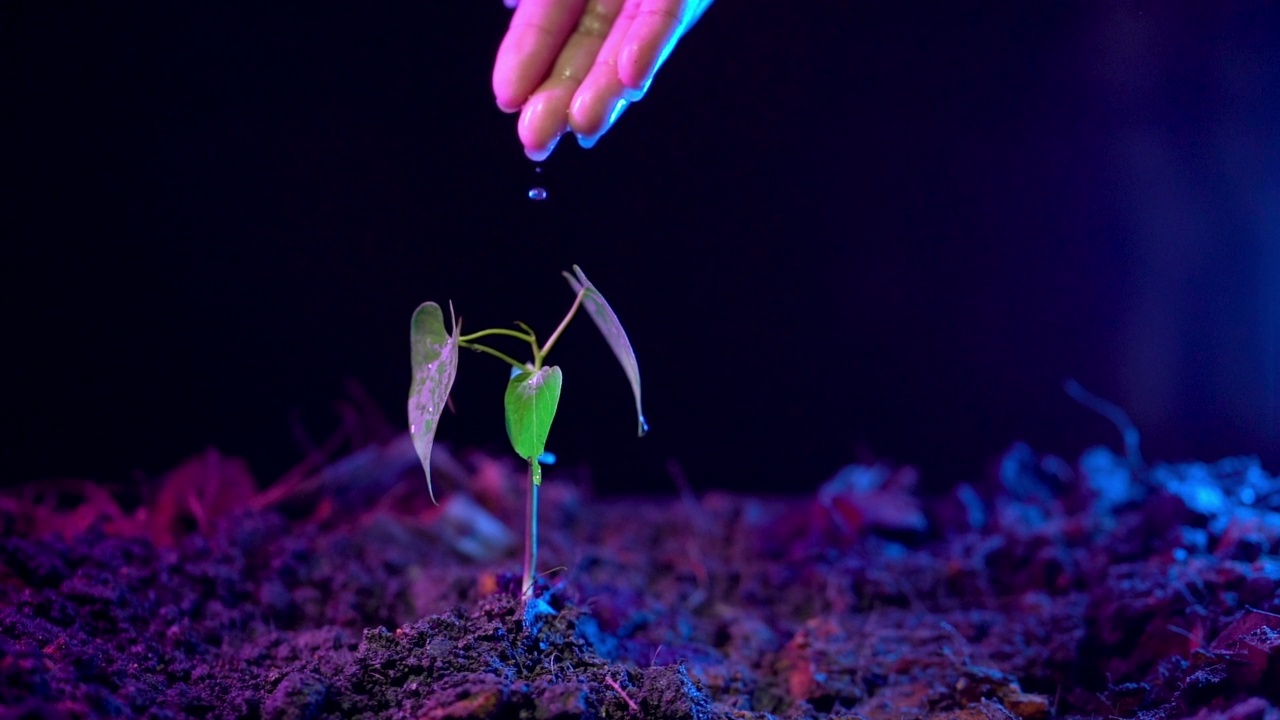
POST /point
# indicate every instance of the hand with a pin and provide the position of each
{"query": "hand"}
(576, 64)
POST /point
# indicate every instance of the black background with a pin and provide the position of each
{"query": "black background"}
(831, 229)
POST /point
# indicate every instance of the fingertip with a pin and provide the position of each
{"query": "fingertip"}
(586, 115)
(503, 96)
(543, 120)
(510, 89)
(642, 54)
(632, 72)
(597, 103)
(540, 154)
(590, 136)
(649, 41)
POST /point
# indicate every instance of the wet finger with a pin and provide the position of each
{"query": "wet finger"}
(595, 105)
(589, 140)
(546, 112)
(659, 24)
(534, 39)
(543, 120)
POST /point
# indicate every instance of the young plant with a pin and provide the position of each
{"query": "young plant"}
(533, 391)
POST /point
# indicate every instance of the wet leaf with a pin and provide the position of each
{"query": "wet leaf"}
(434, 355)
(531, 400)
(611, 328)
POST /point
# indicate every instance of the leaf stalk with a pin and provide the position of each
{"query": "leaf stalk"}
(573, 310)
(500, 355)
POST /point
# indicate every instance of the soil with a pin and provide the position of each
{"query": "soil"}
(1100, 588)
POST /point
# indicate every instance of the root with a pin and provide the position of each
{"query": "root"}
(614, 684)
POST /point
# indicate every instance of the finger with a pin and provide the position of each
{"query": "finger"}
(546, 113)
(589, 139)
(595, 108)
(543, 120)
(599, 99)
(537, 33)
(659, 24)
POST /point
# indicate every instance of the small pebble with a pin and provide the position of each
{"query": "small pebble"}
(538, 193)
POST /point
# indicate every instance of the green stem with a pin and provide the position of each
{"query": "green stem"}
(577, 303)
(501, 356)
(530, 535)
(533, 344)
(527, 337)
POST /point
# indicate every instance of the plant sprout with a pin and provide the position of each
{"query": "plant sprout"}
(533, 391)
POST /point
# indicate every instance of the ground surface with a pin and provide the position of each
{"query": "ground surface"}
(1053, 590)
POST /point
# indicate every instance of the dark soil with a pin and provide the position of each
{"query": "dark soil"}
(1103, 589)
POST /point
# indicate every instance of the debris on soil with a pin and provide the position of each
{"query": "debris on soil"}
(1049, 590)
(197, 493)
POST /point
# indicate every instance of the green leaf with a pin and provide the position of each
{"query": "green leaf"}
(531, 400)
(433, 353)
(607, 321)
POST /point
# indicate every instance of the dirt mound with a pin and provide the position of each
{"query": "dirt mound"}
(1048, 591)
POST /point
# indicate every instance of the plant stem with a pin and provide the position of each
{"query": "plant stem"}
(501, 356)
(533, 345)
(530, 538)
(577, 303)
(527, 337)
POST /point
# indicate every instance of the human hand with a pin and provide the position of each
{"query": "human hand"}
(576, 64)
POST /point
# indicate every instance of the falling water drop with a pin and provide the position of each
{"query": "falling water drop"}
(537, 193)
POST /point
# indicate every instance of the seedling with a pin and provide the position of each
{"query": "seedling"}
(533, 391)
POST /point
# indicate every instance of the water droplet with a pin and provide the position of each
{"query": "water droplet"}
(538, 193)
(644, 425)
(538, 169)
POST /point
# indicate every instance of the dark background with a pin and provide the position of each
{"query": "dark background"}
(831, 229)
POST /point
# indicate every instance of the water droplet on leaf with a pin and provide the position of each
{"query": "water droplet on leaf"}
(538, 193)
